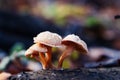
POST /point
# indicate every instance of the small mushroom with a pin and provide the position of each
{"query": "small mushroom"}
(37, 51)
(48, 40)
(72, 42)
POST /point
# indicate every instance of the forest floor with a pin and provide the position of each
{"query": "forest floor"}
(74, 74)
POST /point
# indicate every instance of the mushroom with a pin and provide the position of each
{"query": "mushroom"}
(72, 42)
(48, 40)
(37, 51)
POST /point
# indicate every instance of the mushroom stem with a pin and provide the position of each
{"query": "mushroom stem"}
(49, 57)
(43, 60)
(65, 54)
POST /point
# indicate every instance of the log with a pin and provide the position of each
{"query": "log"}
(68, 74)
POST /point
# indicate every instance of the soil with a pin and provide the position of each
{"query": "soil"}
(74, 74)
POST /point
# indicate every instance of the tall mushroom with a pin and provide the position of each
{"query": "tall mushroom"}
(48, 40)
(72, 42)
(37, 51)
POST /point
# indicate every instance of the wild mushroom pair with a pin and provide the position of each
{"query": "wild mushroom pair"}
(42, 49)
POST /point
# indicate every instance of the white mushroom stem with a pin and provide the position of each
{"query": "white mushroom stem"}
(65, 54)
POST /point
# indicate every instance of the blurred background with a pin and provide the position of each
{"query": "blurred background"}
(92, 20)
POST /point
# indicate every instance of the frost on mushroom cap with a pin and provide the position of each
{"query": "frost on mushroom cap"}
(75, 41)
(35, 49)
(49, 39)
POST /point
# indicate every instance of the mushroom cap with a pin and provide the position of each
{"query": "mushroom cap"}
(49, 39)
(35, 49)
(76, 42)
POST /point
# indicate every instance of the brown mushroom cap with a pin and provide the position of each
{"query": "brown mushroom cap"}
(35, 49)
(74, 41)
(49, 39)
